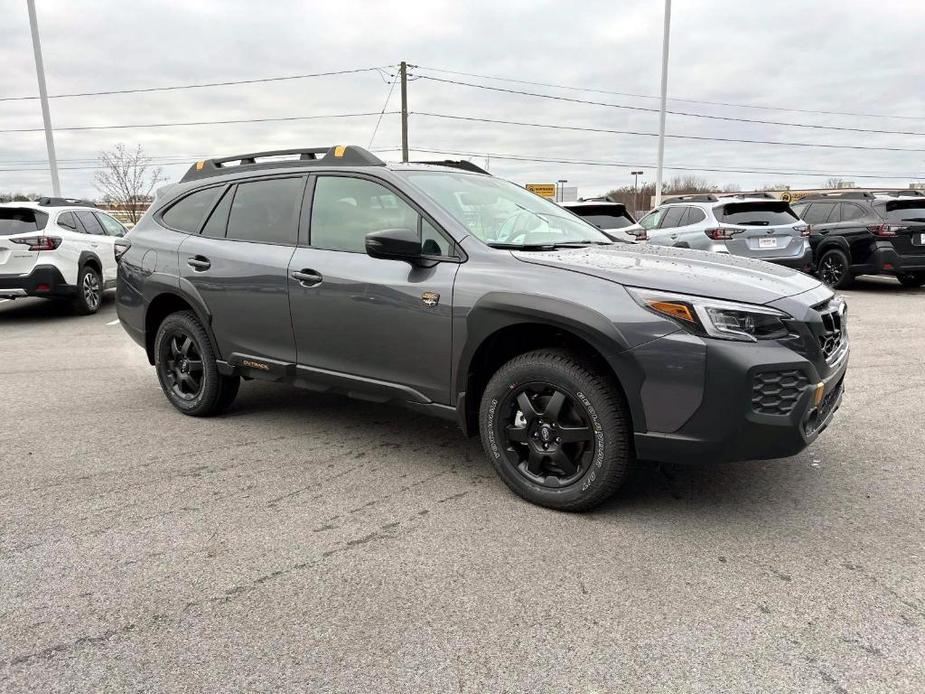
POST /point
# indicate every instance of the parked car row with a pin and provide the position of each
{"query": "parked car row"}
(837, 235)
(57, 248)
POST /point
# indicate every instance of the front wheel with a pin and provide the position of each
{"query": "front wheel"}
(912, 280)
(557, 430)
(186, 367)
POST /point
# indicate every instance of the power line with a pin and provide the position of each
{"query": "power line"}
(279, 119)
(200, 85)
(675, 98)
(382, 112)
(579, 128)
(646, 109)
(616, 164)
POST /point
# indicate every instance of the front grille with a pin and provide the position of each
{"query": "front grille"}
(777, 392)
(832, 339)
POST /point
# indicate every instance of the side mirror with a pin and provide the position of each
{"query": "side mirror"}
(394, 244)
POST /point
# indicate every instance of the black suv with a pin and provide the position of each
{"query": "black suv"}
(465, 296)
(862, 233)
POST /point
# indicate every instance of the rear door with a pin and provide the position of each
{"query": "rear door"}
(99, 243)
(236, 262)
(19, 222)
(771, 228)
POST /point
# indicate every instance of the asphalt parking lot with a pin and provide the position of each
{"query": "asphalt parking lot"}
(310, 542)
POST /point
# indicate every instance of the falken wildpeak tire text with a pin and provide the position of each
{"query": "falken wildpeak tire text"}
(186, 367)
(556, 430)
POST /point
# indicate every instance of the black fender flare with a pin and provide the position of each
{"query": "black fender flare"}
(90, 257)
(830, 242)
(155, 289)
(499, 310)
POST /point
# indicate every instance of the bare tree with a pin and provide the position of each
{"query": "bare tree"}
(127, 179)
(835, 182)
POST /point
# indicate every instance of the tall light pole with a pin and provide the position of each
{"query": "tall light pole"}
(635, 175)
(43, 96)
(661, 116)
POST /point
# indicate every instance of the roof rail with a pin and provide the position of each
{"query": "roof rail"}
(64, 202)
(757, 194)
(840, 195)
(693, 197)
(461, 164)
(900, 193)
(339, 155)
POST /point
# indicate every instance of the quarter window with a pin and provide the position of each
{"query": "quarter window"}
(851, 212)
(67, 221)
(218, 220)
(695, 216)
(187, 214)
(267, 211)
(345, 210)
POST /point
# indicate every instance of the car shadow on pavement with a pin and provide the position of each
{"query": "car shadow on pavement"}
(700, 489)
(40, 310)
(883, 285)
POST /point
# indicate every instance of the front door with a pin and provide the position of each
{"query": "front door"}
(382, 325)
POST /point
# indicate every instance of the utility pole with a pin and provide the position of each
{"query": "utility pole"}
(661, 117)
(635, 175)
(43, 96)
(404, 110)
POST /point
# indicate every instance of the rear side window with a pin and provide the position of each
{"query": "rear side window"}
(19, 220)
(673, 217)
(187, 214)
(90, 223)
(759, 214)
(818, 212)
(603, 216)
(905, 211)
(267, 211)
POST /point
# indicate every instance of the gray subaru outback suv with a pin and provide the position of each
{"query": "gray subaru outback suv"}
(467, 297)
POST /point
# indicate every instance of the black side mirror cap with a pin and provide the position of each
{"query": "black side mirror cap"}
(394, 244)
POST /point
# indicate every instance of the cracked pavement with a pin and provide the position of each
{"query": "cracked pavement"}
(308, 542)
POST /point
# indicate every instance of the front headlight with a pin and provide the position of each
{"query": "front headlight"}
(726, 320)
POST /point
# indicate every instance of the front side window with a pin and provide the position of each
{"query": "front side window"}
(502, 214)
(187, 214)
(651, 220)
(345, 210)
(267, 211)
(110, 225)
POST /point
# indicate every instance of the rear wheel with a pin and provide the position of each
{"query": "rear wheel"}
(556, 430)
(89, 291)
(187, 370)
(835, 269)
(912, 280)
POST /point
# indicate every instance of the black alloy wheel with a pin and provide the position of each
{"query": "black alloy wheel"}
(547, 435)
(834, 270)
(183, 367)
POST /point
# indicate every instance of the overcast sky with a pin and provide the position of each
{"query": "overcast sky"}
(837, 55)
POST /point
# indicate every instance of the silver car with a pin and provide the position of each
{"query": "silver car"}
(753, 225)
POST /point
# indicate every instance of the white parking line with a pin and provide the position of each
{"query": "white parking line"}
(113, 322)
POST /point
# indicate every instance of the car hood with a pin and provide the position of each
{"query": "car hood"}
(680, 270)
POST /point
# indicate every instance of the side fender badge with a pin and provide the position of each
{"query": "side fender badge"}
(430, 298)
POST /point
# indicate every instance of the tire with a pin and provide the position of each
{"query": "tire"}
(912, 281)
(183, 351)
(89, 291)
(835, 269)
(591, 417)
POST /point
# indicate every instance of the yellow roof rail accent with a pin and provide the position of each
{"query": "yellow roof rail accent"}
(339, 150)
(200, 165)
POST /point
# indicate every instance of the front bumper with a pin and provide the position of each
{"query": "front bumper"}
(729, 426)
(44, 280)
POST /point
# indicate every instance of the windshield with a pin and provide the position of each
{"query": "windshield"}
(502, 214)
(759, 214)
(603, 216)
(905, 211)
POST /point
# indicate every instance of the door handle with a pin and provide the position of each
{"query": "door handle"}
(307, 277)
(199, 263)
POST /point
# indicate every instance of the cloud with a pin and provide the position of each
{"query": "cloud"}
(819, 55)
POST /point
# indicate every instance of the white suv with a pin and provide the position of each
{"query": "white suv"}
(755, 225)
(57, 248)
